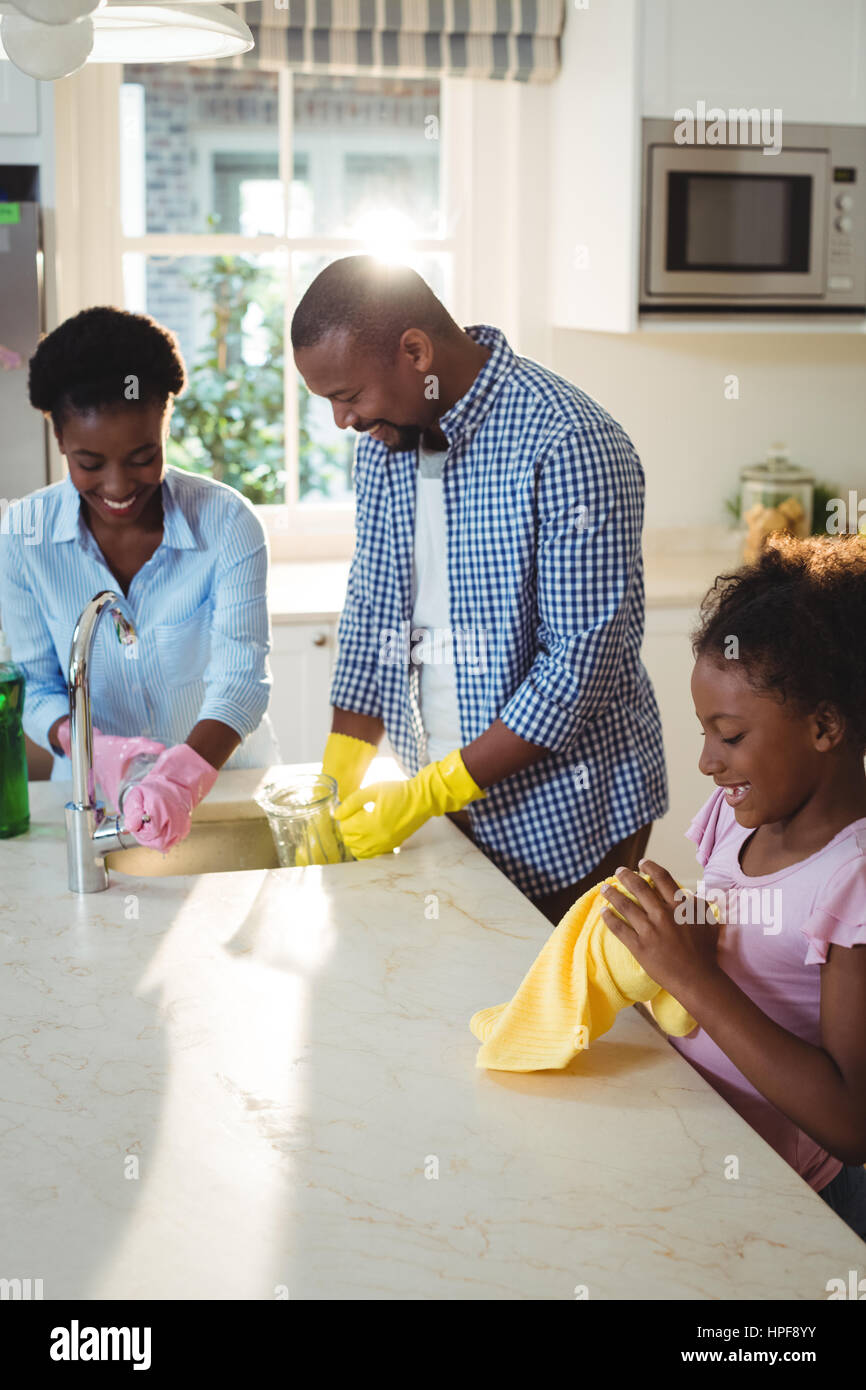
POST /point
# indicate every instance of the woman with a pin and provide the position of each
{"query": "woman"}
(188, 555)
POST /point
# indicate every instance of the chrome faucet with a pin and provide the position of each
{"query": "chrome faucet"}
(90, 834)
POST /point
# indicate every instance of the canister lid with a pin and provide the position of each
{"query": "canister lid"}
(776, 468)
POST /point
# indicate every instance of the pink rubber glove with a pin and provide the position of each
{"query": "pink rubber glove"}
(158, 809)
(112, 756)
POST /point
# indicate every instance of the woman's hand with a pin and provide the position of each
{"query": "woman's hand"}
(671, 933)
(112, 756)
(158, 809)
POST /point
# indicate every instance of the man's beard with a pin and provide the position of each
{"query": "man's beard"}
(404, 436)
(407, 438)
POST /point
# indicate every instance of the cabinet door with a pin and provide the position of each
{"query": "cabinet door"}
(668, 659)
(805, 60)
(301, 660)
(595, 170)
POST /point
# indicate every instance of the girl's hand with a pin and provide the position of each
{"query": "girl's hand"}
(674, 937)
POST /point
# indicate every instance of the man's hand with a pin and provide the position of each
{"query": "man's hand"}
(347, 759)
(376, 819)
(670, 933)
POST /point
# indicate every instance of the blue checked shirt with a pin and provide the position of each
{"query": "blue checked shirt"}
(199, 606)
(544, 508)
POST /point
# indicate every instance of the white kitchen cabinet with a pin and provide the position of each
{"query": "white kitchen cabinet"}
(595, 171)
(668, 659)
(301, 660)
(806, 60)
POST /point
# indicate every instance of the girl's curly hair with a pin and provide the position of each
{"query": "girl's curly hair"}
(799, 616)
(87, 362)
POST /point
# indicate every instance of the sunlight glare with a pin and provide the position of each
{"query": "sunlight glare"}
(386, 234)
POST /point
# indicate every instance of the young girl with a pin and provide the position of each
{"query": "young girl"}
(779, 991)
(187, 554)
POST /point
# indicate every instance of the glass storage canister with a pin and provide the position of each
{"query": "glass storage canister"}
(775, 495)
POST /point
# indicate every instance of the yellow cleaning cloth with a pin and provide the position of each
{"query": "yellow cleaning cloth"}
(580, 980)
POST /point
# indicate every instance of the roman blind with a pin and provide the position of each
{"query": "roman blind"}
(505, 40)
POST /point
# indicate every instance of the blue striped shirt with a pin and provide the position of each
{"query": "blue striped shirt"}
(199, 606)
(544, 508)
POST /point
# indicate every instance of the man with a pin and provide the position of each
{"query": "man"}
(494, 611)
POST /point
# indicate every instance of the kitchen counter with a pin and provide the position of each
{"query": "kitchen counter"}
(262, 1084)
(309, 591)
(680, 564)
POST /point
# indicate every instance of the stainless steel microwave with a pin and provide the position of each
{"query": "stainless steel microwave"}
(727, 227)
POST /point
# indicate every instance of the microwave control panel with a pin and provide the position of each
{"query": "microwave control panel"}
(846, 218)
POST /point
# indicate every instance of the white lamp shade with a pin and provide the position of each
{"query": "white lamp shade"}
(163, 33)
(46, 51)
(127, 32)
(56, 11)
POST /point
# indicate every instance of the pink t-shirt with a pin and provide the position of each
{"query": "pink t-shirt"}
(776, 934)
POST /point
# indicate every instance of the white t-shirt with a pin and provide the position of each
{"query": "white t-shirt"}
(440, 711)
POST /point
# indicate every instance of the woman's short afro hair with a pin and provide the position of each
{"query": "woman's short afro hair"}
(799, 615)
(104, 357)
(374, 301)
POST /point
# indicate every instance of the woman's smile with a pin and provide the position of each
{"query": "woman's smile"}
(121, 507)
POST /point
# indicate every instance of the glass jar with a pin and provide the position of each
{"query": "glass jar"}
(136, 772)
(775, 495)
(300, 810)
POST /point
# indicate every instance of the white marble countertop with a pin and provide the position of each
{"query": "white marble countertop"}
(679, 567)
(286, 1055)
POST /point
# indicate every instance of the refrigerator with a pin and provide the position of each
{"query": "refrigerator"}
(23, 437)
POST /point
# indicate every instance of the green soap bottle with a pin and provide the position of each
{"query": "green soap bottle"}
(14, 800)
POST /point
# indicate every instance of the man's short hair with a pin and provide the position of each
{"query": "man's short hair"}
(373, 300)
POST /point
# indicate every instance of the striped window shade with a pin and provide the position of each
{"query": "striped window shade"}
(515, 40)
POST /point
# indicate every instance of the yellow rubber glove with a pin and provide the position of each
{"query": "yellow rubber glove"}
(346, 759)
(398, 809)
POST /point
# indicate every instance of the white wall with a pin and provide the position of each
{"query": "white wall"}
(668, 391)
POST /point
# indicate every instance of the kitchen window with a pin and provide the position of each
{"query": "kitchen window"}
(235, 187)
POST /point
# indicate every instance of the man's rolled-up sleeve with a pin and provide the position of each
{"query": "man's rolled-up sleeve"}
(46, 694)
(589, 519)
(237, 678)
(355, 682)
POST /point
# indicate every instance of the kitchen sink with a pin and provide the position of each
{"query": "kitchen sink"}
(229, 831)
(211, 847)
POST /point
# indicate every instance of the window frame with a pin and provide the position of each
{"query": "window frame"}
(91, 246)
